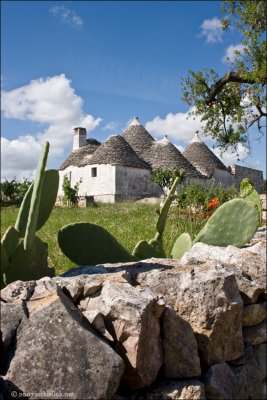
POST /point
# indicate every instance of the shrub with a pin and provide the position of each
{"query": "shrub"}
(198, 196)
(164, 178)
(13, 192)
(70, 193)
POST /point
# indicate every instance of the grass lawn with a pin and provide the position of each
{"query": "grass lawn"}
(129, 222)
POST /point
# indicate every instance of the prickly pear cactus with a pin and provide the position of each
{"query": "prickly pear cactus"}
(10, 240)
(167, 203)
(25, 265)
(89, 244)
(35, 201)
(248, 192)
(4, 267)
(233, 223)
(28, 259)
(182, 244)
(48, 198)
(153, 248)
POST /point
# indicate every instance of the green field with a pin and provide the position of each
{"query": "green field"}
(129, 222)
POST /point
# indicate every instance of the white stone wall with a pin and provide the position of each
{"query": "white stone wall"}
(111, 183)
(102, 187)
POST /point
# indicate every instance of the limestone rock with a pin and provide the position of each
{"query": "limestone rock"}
(131, 315)
(208, 299)
(81, 286)
(249, 377)
(181, 358)
(17, 291)
(256, 334)
(249, 267)
(254, 314)
(182, 390)
(57, 345)
(260, 354)
(220, 382)
(11, 316)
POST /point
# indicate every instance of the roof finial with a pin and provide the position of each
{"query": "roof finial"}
(135, 122)
(196, 138)
(165, 139)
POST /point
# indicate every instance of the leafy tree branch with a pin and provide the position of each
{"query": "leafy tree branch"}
(230, 104)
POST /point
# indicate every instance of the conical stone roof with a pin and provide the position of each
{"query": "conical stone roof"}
(116, 151)
(164, 155)
(202, 158)
(138, 137)
(77, 157)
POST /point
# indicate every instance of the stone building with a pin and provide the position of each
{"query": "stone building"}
(121, 167)
(206, 162)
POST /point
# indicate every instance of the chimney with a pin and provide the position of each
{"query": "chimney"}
(79, 138)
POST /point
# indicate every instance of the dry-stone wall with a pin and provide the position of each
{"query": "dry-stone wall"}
(156, 329)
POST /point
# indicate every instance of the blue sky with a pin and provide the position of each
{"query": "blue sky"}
(98, 64)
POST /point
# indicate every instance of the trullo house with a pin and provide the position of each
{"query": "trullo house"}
(121, 167)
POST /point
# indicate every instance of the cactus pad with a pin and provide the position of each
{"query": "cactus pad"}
(233, 223)
(48, 198)
(89, 244)
(254, 197)
(35, 200)
(165, 208)
(4, 266)
(144, 250)
(26, 266)
(182, 244)
(10, 240)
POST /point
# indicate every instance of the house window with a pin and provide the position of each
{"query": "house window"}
(93, 172)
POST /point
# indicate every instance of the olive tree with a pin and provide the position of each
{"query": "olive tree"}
(232, 103)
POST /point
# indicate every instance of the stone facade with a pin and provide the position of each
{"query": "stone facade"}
(239, 172)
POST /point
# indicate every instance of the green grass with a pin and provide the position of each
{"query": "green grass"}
(129, 222)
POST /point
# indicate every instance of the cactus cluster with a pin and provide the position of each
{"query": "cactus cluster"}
(89, 244)
(233, 223)
(24, 256)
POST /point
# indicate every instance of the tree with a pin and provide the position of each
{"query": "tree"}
(229, 105)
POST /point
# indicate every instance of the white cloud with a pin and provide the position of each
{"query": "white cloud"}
(111, 126)
(231, 157)
(51, 102)
(230, 54)
(176, 126)
(66, 15)
(212, 30)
